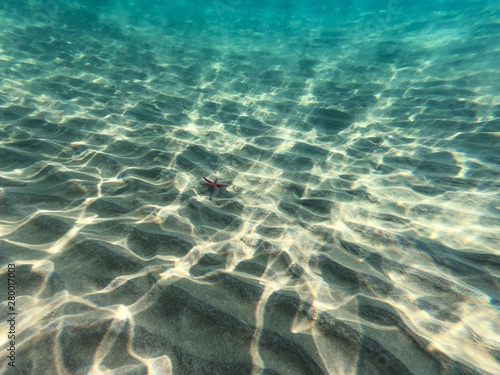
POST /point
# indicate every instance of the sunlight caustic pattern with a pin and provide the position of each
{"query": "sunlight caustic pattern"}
(359, 233)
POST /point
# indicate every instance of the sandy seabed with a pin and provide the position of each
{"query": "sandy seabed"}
(360, 230)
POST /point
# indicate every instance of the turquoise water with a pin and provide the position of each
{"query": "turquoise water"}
(359, 233)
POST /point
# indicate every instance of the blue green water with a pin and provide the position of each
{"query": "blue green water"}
(359, 233)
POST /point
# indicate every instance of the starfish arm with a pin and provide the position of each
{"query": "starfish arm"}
(215, 182)
(207, 180)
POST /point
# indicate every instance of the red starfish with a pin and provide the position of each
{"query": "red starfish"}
(214, 183)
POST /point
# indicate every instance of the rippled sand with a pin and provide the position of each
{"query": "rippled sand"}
(360, 233)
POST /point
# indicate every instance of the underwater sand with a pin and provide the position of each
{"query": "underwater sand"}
(360, 233)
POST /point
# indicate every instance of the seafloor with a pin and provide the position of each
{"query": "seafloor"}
(360, 233)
